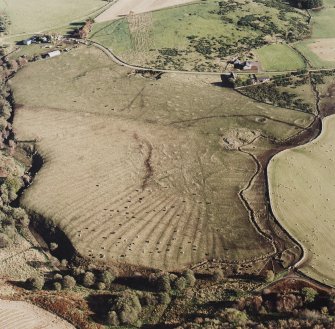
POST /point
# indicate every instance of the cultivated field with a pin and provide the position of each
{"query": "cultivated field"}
(22, 315)
(279, 57)
(39, 15)
(200, 36)
(133, 174)
(123, 7)
(302, 190)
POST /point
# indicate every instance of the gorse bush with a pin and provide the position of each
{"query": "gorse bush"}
(35, 283)
(127, 307)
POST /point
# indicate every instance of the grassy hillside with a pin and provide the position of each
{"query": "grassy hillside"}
(201, 36)
(144, 171)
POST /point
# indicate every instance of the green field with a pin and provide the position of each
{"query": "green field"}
(34, 16)
(279, 57)
(323, 21)
(200, 36)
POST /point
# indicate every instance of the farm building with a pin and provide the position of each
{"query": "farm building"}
(53, 53)
(246, 65)
(27, 42)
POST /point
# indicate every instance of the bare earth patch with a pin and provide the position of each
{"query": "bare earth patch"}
(124, 7)
(324, 48)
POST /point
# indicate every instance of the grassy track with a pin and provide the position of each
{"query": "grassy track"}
(279, 57)
(135, 175)
(302, 195)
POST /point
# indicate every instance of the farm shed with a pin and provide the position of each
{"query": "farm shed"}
(27, 42)
(252, 66)
(53, 53)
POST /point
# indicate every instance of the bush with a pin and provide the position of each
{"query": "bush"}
(53, 246)
(164, 298)
(163, 282)
(35, 283)
(101, 286)
(112, 319)
(127, 307)
(235, 317)
(218, 275)
(4, 240)
(21, 217)
(180, 285)
(69, 282)
(58, 277)
(89, 279)
(309, 294)
(190, 278)
(107, 278)
(57, 286)
(269, 276)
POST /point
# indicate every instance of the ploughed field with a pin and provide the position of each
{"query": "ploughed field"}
(153, 172)
(302, 192)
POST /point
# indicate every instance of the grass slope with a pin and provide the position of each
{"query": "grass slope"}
(136, 170)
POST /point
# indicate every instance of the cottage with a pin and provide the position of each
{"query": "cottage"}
(53, 53)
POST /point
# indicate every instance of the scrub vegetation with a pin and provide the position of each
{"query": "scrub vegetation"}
(201, 36)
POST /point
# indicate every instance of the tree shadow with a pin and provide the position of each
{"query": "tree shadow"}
(99, 305)
(136, 282)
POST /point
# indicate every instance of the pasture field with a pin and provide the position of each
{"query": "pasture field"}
(199, 36)
(279, 57)
(323, 21)
(144, 171)
(302, 195)
(23, 315)
(320, 48)
(28, 17)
